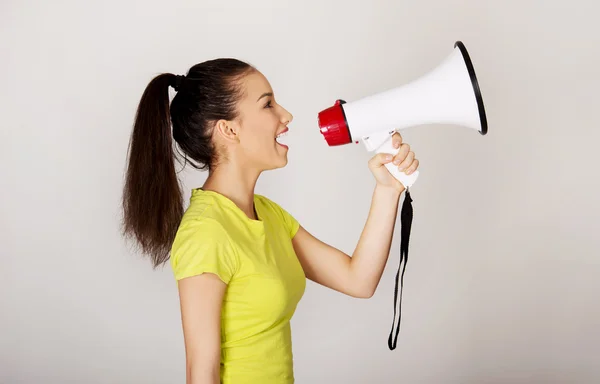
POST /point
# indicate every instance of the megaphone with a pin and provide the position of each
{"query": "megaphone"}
(449, 94)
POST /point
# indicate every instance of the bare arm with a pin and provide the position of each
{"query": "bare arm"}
(359, 275)
(201, 299)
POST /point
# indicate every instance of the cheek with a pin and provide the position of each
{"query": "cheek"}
(259, 131)
(259, 138)
(264, 129)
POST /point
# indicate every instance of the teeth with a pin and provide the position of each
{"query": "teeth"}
(281, 135)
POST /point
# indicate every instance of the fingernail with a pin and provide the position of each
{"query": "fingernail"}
(388, 157)
(397, 161)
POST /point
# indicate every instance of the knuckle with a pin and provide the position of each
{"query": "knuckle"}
(379, 158)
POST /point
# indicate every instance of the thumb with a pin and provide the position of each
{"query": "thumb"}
(380, 160)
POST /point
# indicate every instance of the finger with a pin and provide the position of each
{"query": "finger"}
(380, 159)
(396, 140)
(402, 153)
(413, 167)
(407, 161)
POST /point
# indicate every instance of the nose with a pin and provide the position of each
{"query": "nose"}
(286, 117)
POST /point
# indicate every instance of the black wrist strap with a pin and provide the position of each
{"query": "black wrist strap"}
(406, 216)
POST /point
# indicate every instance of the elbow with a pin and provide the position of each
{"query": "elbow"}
(363, 293)
(360, 288)
(368, 294)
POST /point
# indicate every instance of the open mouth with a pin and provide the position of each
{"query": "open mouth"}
(280, 138)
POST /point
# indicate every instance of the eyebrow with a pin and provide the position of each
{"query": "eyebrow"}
(265, 95)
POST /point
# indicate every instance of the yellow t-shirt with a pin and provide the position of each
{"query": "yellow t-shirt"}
(264, 278)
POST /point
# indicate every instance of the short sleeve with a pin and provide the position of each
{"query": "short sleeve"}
(291, 224)
(203, 246)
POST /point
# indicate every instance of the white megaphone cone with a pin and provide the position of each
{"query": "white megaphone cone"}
(449, 94)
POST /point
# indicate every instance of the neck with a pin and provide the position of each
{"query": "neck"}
(235, 183)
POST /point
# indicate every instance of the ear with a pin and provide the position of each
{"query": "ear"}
(227, 130)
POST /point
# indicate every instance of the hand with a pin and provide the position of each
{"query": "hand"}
(404, 160)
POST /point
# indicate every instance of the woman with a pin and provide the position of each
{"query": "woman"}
(240, 260)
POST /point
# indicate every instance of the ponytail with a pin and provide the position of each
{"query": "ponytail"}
(152, 198)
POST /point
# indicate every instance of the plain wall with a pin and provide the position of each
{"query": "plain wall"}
(502, 283)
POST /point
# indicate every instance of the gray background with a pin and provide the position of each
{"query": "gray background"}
(502, 281)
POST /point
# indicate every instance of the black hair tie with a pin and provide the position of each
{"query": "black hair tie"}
(177, 82)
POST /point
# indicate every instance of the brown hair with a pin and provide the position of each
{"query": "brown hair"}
(152, 199)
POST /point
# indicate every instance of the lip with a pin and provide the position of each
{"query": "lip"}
(284, 131)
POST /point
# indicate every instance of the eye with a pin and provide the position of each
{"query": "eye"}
(268, 105)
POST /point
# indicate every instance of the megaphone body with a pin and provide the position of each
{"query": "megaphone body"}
(449, 94)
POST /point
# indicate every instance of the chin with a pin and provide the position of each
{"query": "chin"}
(280, 163)
(284, 163)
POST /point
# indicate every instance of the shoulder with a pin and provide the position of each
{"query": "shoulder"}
(204, 223)
(202, 244)
(205, 226)
(200, 233)
(208, 211)
(277, 212)
(266, 201)
(271, 205)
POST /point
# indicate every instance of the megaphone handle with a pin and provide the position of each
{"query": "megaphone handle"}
(406, 180)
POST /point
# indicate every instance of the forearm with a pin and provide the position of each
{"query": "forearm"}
(371, 254)
(200, 373)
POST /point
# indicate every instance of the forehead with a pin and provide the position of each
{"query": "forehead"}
(255, 84)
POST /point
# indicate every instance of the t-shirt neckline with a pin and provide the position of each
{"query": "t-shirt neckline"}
(232, 205)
